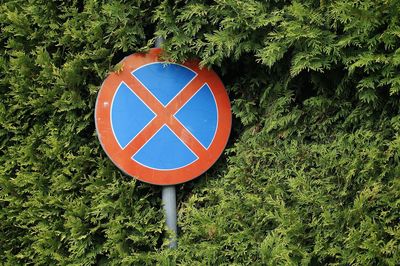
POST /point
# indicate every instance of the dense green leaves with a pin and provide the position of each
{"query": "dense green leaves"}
(311, 174)
(62, 201)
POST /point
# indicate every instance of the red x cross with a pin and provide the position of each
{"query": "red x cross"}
(164, 115)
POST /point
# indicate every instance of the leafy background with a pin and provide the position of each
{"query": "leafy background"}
(311, 173)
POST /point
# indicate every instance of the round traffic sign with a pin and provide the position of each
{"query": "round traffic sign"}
(163, 123)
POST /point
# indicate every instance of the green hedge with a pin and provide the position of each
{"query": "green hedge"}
(310, 176)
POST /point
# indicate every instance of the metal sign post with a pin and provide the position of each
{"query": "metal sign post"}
(164, 124)
(169, 196)
(169, 204)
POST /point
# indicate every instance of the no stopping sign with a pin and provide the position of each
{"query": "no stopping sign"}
(163, 123)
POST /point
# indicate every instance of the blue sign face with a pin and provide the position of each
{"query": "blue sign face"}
(166, 149)
(162, 123)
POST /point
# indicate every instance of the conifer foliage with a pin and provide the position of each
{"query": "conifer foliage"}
(310, 176)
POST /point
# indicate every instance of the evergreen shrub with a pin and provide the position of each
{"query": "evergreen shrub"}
(311, 173)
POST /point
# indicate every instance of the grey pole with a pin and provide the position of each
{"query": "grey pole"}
(159, 41)
(169, 203)
(169, 196)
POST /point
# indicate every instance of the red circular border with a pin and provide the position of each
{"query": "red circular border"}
(134, 169)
